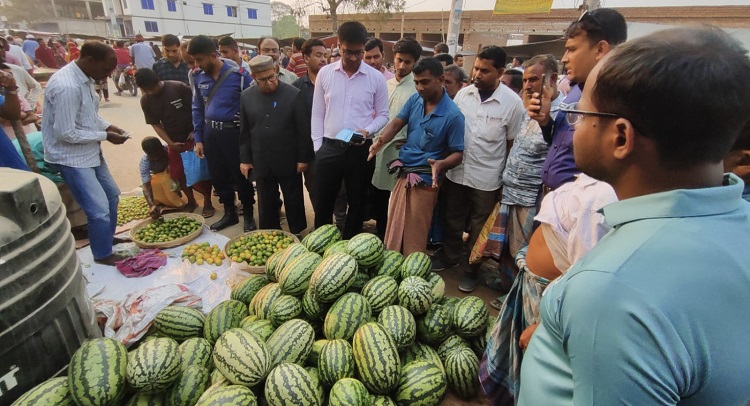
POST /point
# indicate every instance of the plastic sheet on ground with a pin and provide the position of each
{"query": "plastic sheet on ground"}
(127, 306)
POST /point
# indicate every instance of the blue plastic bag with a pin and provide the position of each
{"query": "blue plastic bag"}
(196, 169)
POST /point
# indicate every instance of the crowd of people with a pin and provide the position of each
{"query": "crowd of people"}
(610, 197)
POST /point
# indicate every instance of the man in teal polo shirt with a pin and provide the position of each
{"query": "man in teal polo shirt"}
(653, 314)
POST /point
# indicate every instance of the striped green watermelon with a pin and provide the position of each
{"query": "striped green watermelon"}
(291, 342)
(438, 287)
(420, 352)
(312, 358)
(189, 388)
(291, 252)
(449, 344)
(478, 344)
(349, 392)
(228, 395)
(245, 290)
(382, 400)
(366, 248)
(153, 366)
(391, 264)
(263, 300)
(318, 384)
(97, 372)
(241, 357)
(434, 326)
(422, 383)
(313, 309)
(290, 385)
(376, 357)
(321, 238)
(400, 324)
(284, 309)
(333, 277)
(146, 399)
(338, 246)
(218, 379)
(346, 315)
(179, 322)
(415, 294)
(470, 317)
(360, 280)
(247, 320)
(226, 315)
(54, 392)
(195, 351)
(381, 291)
(272, 265)
(462, 371)
(336, 361)
(450, 302)
(295, 277)
(416, 264)
(261, 328)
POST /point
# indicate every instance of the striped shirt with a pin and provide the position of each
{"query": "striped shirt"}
(71, 127)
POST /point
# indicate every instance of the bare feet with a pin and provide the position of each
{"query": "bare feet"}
(208, 211)
(110, 260)
(119, 240)
(190, 207)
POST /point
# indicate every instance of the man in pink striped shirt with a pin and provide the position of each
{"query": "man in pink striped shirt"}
(349, 95)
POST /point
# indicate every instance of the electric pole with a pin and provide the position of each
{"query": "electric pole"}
(454, 26)
(592, 5)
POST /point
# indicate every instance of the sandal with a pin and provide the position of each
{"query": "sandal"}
(496, 304)
(208, 212)
(189, 208)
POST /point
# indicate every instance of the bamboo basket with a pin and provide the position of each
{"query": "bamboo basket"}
(173, 243)
(244, 265)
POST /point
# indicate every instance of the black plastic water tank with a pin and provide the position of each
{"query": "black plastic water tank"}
(45, 312)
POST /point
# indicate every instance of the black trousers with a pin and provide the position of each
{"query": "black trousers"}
(310, 181)
(268, 202)
(336, 161)
(462, 202)
(222, 151)
(380, 199)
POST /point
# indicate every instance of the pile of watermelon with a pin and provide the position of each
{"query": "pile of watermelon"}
(332, 322)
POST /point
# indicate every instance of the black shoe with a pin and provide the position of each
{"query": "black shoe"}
(469, 282)
(250, 223)
(229, 219)
(440, 264)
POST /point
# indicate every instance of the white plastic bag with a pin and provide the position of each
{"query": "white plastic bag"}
(121, 81)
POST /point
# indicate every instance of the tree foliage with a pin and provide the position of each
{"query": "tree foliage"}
(284, 19)
(334, 7)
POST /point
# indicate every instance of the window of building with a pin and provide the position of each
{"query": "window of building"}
(151, 26)
(124, 4)
(97, 10)
(208, 9)
(147, 4)
(252, 13)
(75, 10)
(231, 11)
(171, 5)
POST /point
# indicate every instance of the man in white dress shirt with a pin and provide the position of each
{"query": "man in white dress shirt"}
(493, 116)
(72, 134)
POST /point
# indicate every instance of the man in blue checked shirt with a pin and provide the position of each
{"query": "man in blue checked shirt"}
(216, 128)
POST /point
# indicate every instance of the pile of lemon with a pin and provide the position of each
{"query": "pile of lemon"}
(203, 253)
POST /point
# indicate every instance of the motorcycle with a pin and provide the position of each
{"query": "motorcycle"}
(127, 80)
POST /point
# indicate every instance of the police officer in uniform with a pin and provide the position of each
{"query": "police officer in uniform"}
(216, 106)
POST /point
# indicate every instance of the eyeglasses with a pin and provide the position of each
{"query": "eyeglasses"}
(358, 53)
(575, 117)
(271, 78)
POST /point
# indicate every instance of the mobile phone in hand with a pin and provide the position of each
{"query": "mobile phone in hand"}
(357, 138)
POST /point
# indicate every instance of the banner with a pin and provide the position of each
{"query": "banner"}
(522, 6)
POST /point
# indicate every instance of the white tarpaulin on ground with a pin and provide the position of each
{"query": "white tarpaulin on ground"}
(127, 306)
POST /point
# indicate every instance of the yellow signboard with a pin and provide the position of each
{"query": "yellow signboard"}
(522, 6)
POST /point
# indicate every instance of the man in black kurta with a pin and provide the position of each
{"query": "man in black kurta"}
(275, 143)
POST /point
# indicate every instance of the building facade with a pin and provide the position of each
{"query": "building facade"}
(481, 28)
(154, 18)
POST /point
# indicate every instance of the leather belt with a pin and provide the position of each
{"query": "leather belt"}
(222, 125)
